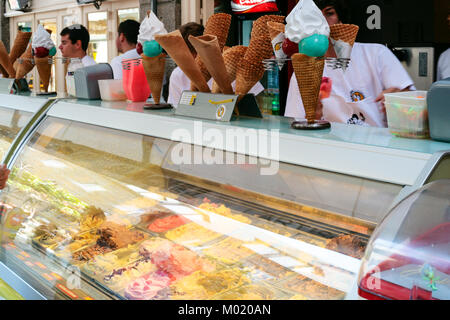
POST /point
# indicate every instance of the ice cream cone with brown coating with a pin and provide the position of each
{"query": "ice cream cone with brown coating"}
(154, 70)
(209, 51)
(309, 72)
(178, 50)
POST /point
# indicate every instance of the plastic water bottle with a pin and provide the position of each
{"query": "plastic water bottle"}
(274, 89)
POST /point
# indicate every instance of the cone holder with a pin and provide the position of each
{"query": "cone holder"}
(337, 63)
(271, 64)
(315, 125)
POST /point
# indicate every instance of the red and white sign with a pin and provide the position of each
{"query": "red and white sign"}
(252, 6)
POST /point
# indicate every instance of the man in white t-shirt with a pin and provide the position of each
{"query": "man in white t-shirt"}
(126, 42)
(443, 69)
(357, 94)
(179, 82)
(74, 44)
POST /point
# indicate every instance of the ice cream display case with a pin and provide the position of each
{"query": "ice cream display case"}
(108, 201)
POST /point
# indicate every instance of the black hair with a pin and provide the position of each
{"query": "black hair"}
(130, 30)
(340, 6)
(191, 28)
(77, 32)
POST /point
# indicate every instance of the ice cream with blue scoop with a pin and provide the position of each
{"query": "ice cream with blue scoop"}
(307, 26)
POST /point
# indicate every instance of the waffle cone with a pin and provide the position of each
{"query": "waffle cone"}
(178, 50)
(309, 72)
(259, 49)
(45, 70)
(232, 57)
(275, 28)
(247, 75)
(209, 51)
(260, 28)
(24, 63)
(219, 25)
(5, 62)
(154, 70)
(203, 68)
(20, 45)
(344, 32)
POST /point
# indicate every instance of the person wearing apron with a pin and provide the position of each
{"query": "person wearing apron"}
(357, 94)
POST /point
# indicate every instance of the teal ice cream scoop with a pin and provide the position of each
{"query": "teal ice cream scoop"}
(314, 46)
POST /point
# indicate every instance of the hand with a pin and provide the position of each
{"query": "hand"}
(382, 99)
(4, 174)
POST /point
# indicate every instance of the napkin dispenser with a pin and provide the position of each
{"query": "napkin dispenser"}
(86, 80)
(439, 110)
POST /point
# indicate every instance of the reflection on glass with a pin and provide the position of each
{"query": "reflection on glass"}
(128, 14)
(98, 30)
(11, 122)
(104, 203)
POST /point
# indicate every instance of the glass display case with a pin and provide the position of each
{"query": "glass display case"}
(409, 254)
(109, 212)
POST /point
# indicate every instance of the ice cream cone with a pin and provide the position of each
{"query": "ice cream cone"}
(44, 68)
(219, 25)
(178, 50)
(247, 75)
(232, 58)
(275, 28)
(260, 25)
(154, 70)
(209, 51)
(20, 45)
(309, 72)
(344, 32)
(5, 62)
(25, 63)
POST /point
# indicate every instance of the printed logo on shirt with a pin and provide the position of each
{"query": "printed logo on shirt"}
(357, 96)
(357, 120)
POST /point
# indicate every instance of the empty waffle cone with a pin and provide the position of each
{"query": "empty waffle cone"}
(219, 25)
(5, 62)
(25, 63)
(154, 70)
(247, 75)
(209, 51)
(260, 25)
(44, 68)
(259, 49)
(232, 57)
(275, 28)
(20, 45)
(344, 32)
(309, 72)
(3, 72)
(178, 50)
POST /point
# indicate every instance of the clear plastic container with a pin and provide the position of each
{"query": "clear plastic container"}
(407, 114)
(112, 90)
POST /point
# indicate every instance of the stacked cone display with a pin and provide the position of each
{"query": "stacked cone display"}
(232, 58)
(209, 51)
(260, 25)
(154, 70)
(5, 61)
(44, 67)
(309, 72)
(178, 50)
(25, 63)
(20, 45)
